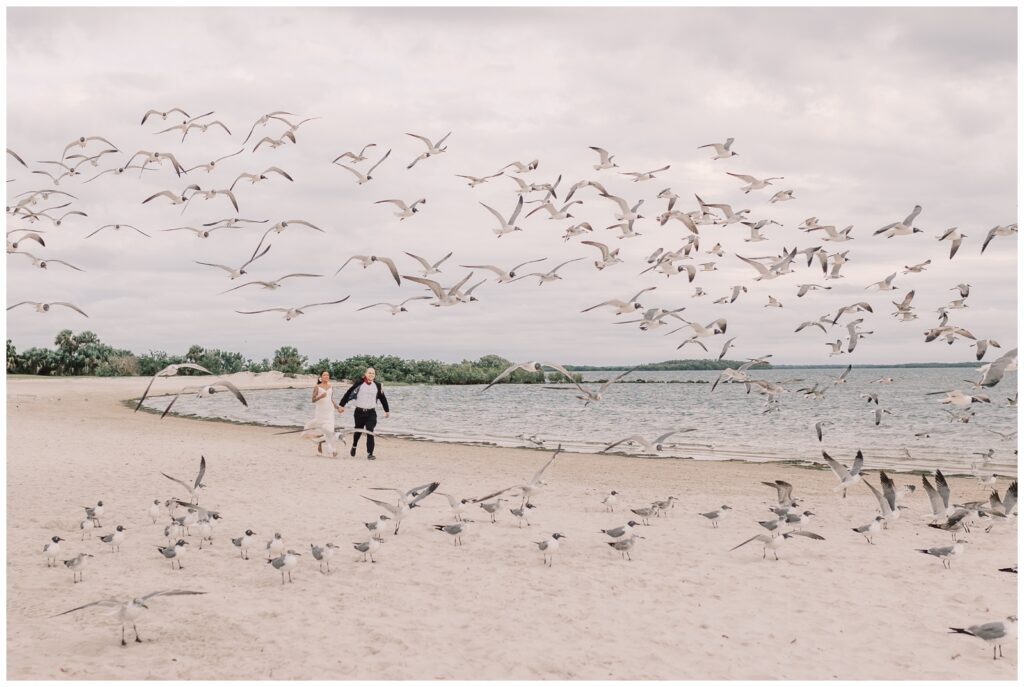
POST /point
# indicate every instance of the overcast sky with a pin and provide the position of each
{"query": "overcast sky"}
(865, 112)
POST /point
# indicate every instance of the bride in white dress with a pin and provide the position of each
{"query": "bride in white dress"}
(321, 428)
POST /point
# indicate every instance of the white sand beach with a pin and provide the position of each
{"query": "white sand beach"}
(684, 608)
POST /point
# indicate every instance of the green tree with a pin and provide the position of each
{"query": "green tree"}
(288, 360)
(12, 358)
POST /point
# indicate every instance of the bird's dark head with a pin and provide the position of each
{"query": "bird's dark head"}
(99, 503)
(182, 542)
(121, 528)
(558, 535)
(632, 523)
(402, 309)
(249, 533)
(917, 231)
(56, 539)
(615, 493)
(726, 507)
(384, 517)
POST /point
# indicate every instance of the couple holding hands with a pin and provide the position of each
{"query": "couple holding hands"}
(366, 393)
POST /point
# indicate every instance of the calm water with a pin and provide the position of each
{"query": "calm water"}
(729, 423)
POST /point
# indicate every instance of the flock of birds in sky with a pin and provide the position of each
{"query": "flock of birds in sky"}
(95, 159)
(44, 213)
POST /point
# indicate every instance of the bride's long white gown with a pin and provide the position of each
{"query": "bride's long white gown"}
(321, 427)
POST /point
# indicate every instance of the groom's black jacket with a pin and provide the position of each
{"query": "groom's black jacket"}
(354, 389)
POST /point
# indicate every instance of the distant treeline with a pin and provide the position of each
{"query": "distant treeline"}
(862, 367)
(85, 354)
(670, 365)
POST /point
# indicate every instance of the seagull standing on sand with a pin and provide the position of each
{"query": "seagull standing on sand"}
(945, 553)
(245, 543)
(994, 634)
(323, 555)
(75, 565)
(286, 562)
(716, 516)
(871, 529)
(625, 545)
(455, 531)
(608, 502)
(174, 553)
(115, 538)
(521, 514)
(492, 508)
(52, 550)
(619, 532)
(367, 548)
(549, 546)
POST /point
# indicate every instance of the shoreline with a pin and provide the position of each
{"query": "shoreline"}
(461, 615)
(795, 462)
